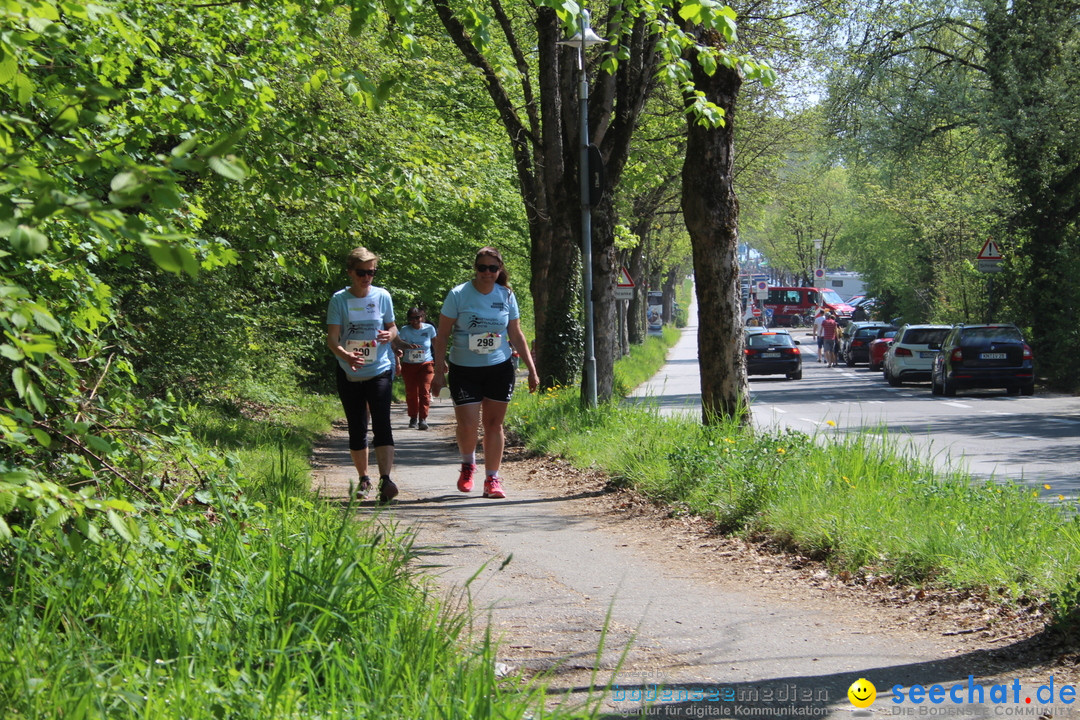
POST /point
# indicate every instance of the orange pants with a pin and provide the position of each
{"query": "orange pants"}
(418, 377)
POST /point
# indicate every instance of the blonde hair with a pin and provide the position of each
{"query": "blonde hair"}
(360, 255)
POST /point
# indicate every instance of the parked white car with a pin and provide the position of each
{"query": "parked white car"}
(910, 358)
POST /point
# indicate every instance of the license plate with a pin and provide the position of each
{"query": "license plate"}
(925, 354)
(770, 355)
(992, 356)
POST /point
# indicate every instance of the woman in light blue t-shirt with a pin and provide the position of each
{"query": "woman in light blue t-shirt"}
(359, 329)
(482, 318)
(417, 366)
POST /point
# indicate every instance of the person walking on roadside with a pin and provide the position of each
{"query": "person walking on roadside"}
(417, 365)
(829, 333)
(482, 318)
(818, 320)
(360, 328)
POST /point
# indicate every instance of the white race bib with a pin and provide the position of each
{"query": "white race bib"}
(414, 356)
(366, 348)
(484, 343)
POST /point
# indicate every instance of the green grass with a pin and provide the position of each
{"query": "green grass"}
(248, 598)
(859, 504)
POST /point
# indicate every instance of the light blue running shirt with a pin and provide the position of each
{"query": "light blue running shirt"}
(480, 323)
(360, 320)
(421, 337)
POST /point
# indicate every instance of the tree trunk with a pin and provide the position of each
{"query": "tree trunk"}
(711, 213)
(543, 128)
(635, 313)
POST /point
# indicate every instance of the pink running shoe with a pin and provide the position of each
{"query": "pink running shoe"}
(493, 488)
(464, 481)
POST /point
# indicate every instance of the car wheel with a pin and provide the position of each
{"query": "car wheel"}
(892, 379)
(1027, 389)
(935, 389)
(947, 389)
(797, 375)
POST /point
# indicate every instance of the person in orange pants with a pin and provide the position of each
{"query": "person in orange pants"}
(417, 366)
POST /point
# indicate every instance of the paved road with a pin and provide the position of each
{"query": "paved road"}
(989, 434)
(549, 575)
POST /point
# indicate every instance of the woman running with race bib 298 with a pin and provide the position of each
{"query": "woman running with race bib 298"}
(483, 319)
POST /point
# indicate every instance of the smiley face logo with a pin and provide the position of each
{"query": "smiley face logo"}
(862, 693)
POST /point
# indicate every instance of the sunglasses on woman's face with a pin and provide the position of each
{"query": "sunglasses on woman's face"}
(488, 268)
(364, 273)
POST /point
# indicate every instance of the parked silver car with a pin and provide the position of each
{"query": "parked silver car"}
(910, 358)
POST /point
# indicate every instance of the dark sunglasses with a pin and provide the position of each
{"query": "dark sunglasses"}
(364, 273)
(489, 268)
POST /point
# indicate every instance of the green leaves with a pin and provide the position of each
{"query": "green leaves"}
(28, 241)
(711, 15)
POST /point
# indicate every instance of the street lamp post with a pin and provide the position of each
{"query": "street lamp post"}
(584, 38)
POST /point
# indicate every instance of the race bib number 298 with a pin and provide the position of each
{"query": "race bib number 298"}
(484, 343)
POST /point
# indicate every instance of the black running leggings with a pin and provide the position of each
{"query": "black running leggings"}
(357, 398)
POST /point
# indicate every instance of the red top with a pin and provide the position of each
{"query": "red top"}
(828, 329)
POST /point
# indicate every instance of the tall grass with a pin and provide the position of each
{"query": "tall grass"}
(251, 600)
(858, 503)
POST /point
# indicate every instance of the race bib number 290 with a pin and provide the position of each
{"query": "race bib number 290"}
(484, 343)
(366, 348)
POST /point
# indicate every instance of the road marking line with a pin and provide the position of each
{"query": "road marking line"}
(957, 404)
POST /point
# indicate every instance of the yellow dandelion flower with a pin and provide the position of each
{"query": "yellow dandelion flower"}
(1047, 486)
(1061, 497)
(830, 423)
(781, 450)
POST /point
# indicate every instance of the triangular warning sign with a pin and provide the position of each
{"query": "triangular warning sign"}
(624, 279)
(990, 251)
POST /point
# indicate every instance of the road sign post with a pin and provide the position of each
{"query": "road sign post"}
(989, 261)
(990, 257)
(624, 288)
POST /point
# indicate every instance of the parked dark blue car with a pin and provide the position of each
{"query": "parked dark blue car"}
(984, 356)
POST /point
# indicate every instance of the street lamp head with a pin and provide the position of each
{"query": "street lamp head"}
(590, 38)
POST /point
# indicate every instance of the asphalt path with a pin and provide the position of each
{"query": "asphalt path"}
(673, 626)
(983, 433)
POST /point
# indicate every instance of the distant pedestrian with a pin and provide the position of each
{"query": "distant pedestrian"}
(417, 365)
(829, 333)
(818, 320)
(482, 318)
(359, 330)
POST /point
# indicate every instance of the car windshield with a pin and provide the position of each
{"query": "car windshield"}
(869, 332)
(764, 340)
(925, 336)
(987, 335)
(832, 298)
